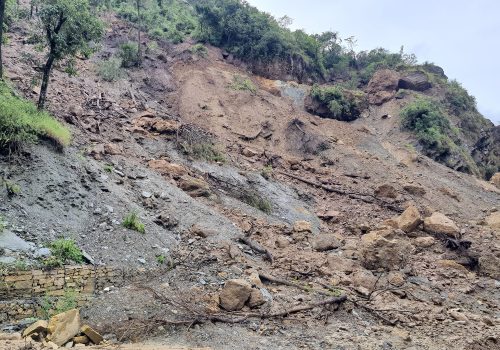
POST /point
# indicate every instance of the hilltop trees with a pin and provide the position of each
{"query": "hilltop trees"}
(69, 28)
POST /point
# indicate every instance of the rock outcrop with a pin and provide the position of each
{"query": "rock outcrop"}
(417, 81)
(382, 86)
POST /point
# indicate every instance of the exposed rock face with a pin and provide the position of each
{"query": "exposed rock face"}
(63, 327)
(235, 294)
(409, 220)
(440, 223)
(382, 86)
(417, 81)
(434, 69)
(387, 249)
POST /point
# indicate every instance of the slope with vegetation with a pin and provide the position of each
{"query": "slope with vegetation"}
(270, 214)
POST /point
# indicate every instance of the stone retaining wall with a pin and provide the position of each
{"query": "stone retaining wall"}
(22, 293)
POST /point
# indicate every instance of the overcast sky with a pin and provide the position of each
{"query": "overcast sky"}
(461, 36)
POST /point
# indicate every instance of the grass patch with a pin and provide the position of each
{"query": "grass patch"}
(133, 222)
(63, 252)
(256, 201)
(53, 306)
(160, 259)
(110, 70)
(241, 83)
(21, 122)
(199, 50)
(203, 151)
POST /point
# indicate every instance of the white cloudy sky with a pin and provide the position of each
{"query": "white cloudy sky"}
(462, 36)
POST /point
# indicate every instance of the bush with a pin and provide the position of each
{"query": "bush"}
(341, 104)
(129, 54)
(133, 222)
(427, 120)
(63, 251)
(255, 200)
(243, 84)
(458, 99)
(110, 70)
(199, 50)
(21, 122)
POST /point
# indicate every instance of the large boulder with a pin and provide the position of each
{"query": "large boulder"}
(441, 224)
(235, 294)
(324, 242)
(417, 81)
(386, 249)
(409, 220)
(382, 86)
(37, 327)
(63, 327)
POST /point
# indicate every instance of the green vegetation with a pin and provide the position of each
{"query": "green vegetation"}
(203, 151)
(133, 222)
(63, 252)
(11, 188)
(458, 99)
(253, 199)
(129, 54)
(199, 50)
(267, 172)
(341, 104)
(20, 122)
(243, 84)
(160, 259)
(69, 28)
(108, 168)
(427, 120)
(172, 20)
(110, 70)
(51, 306)
(2, 224)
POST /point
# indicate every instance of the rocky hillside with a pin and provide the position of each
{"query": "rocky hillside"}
(262, 213)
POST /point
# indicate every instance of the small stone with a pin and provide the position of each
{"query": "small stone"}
(409, 220)
(324, 242)
(37, 327)
(458, 316)
(256, 298)
(424, 242)
(94, 336)
(146, 194)
(69, 344)
(401, 333)
(248, 152)
(81, 339)
(282, 242)
(141, 260)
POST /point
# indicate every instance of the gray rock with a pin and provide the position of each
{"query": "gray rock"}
(42, 253)
(146, 194)
(417, 81)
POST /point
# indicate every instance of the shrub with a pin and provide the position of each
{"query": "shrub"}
(427, 120)
(2, 224)
(12, 188)
(255, 200)
(341, 104)
(133, 222)
(243, 84)
(458, 99)
(199, 50)
(51, 306)
(63, 251)
(21, 122)
(129, 54)
(110, 70)
(160, 259)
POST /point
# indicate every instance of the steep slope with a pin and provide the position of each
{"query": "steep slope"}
(232, 179)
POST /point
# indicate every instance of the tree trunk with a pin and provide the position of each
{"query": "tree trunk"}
(2, 12)
(45, 82)
(139, 49)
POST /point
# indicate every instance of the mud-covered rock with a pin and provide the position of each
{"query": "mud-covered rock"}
(409, 220)
(441, 224)
(166, 168)
(387, 249)
(194, 187)
(235, 294)
(386, 191)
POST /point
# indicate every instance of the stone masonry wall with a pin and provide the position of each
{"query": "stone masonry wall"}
(23, 292)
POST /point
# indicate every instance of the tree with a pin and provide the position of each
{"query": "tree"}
(69, 28)
(2, 13)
